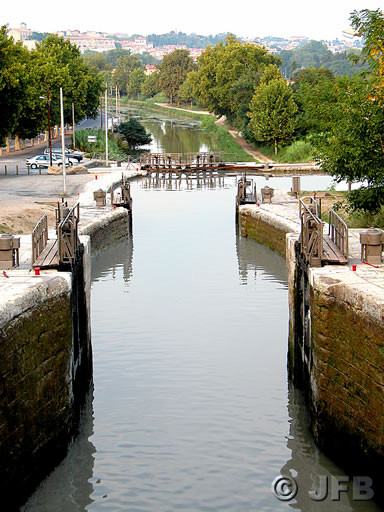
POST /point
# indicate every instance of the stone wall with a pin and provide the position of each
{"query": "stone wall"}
(107, 229)
(36, 417)
(266, 227)
(336, 348)
(346, 377)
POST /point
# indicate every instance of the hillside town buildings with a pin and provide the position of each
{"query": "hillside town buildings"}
(103, 42)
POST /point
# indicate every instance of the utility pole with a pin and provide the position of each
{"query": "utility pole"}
(73, 125)
(106, 125)
(49, 128)
(101, 112)
(63, 142)
(111, 97)
(117, 114)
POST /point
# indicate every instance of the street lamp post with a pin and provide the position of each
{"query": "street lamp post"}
(49, 125)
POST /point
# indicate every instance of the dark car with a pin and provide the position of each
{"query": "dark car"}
(68, 153)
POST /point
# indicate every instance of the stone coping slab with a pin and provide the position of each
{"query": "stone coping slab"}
(22, 291)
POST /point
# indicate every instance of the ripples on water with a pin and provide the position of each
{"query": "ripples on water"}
(191, 408)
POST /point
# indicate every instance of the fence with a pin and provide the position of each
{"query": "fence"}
(20, 170)
(338, 232)
(39, 237)
(311, 236)
(67, 221)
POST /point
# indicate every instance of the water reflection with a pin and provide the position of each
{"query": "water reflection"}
(308, 464)
(172, 135)
(180, 181)
(254, 258)
(69, 488)
(110, 260)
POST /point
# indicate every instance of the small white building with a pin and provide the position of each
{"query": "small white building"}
(20, 34)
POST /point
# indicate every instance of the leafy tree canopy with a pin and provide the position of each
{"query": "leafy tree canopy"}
(353, 147)
(173, 72)
(189, 40)
(134, 133)
(272, 110)
(370, 25)
(135, 83)
(224, 64)
(151, 85)
(125, 66)
(57, 63)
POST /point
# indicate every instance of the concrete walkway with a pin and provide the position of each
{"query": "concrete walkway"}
(366, 284)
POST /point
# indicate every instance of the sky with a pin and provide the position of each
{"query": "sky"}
(320, 19)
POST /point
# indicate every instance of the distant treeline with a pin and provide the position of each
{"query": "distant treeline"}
(189, 40)
(315, 54)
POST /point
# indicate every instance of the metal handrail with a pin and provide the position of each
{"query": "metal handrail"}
(67, 235)
(311, 236)
(338, 232)
(39, 237)
(313, 201)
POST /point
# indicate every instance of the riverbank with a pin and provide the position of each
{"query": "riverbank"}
(335, 342)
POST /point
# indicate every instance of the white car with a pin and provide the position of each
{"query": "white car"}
(44, 161)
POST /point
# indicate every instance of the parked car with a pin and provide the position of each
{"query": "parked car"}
(44, 161)
(75, 155)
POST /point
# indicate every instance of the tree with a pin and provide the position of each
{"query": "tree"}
(97, 60)
(136, 80)
(123, 70)
(315, 93)
(221, 66)
(173, 71)
(353, 147)
(113, 56)
(370, 25)
(58, 63)
(134, 133)
(272, 110)
(187, 91)
(151, 85)
(18, 89)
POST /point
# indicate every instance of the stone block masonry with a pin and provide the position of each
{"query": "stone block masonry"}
(36, 392)
(347, 366)
(336, 342)
(269, 224)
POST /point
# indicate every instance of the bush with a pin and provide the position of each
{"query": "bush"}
(299, 151)
(134, 133)
(115, 152)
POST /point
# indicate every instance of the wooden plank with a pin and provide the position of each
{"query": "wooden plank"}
(331, 253)
(49, 258)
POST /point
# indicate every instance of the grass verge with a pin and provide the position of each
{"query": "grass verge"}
(299, 151)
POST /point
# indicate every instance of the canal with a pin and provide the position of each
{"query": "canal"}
(192, 408)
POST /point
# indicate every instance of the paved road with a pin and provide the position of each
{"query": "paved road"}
(19, 157)
(40, 188)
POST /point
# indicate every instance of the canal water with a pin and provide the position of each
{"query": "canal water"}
(192, 408)
(172, 134)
